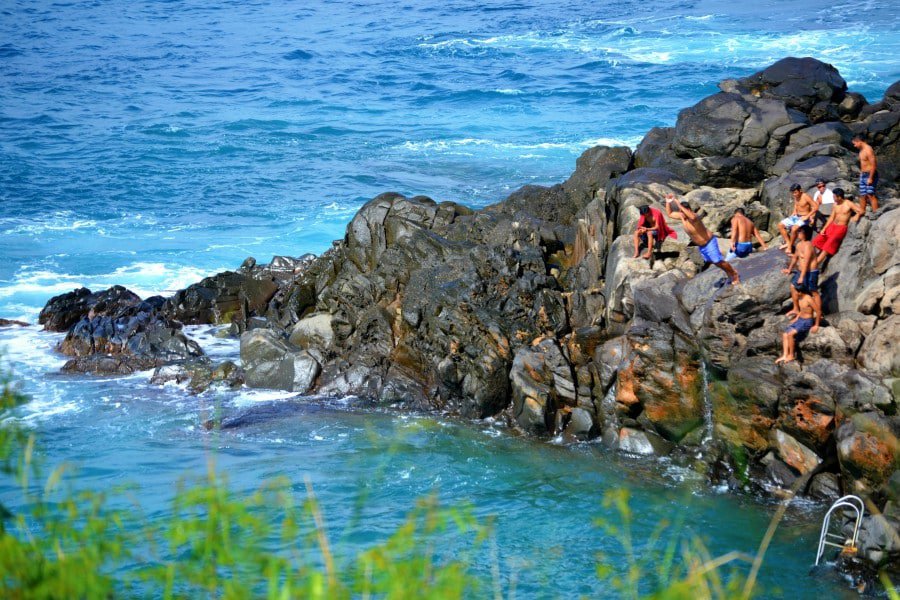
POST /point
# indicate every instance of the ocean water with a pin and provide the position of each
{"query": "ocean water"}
(153, 143)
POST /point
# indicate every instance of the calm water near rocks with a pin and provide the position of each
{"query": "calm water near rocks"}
(151, 144)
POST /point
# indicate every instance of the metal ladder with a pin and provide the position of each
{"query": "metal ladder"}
(854, 503)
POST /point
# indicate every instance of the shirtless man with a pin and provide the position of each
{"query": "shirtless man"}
(829, 241)
(742, 231)
(868, 174)
(700, 235)
(809, 314)
(805, 275)
(804, 213)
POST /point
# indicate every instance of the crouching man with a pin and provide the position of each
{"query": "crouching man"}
(806, 321)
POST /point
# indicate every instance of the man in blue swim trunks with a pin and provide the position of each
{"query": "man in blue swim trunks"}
(742, 231)
(700, 235)
(803, 270)
(868, 174)
(806, 321)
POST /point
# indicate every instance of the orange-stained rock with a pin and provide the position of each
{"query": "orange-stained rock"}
(867, 450)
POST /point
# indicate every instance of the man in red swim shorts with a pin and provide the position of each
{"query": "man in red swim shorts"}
(829, 241)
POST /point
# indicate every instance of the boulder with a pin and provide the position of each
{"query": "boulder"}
(269, 361)
(222, 298)
(800, 83)
(63, 311)
(867, 451)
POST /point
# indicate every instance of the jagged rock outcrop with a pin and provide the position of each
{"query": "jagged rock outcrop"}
(63, 311)
(532, 309)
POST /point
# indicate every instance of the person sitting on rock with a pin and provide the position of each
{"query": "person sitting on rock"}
(809, 314)
(707, 243)
(868, 173)
(803, 214)
(742, 232)
(651, 229)
(829, 241)
(805, 275)
(824, 199)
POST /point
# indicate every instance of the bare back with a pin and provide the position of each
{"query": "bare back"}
(744, 228)
(695, 228)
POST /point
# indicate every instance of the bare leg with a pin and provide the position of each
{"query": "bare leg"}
(729, 270)
(795, 298)
(650, 241)
(784, 349)
(874, 201)
(793, 239)
(637, 244)
(791, 345)
(784, 234)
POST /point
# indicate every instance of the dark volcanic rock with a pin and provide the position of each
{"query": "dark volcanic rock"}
(800, 83)
(63, 311)
(222, 298)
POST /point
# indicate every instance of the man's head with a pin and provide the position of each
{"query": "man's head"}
(838, 195)
(739, 211)
(796, 190)
(806, 232)
(820, 184)
(858, 141)
(644, 210)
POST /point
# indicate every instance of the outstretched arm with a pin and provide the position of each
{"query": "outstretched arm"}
(759, 238)
(790, 266)
(734, 233)
(670, 200)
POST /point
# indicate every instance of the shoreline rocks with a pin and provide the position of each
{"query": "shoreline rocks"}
(533, 310)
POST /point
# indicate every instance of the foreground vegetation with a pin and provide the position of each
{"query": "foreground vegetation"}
(214, 543)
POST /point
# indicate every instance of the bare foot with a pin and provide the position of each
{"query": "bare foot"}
(636, 254)
(780, 360)
(788, 359)
(647, 255)
(736, 280)
(783, 246)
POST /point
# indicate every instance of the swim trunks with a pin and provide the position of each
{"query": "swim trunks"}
(710, 252)
(793, 221)
(810, 282)
(800, 326)
(741, 250)
(864, 188)
(830, 239)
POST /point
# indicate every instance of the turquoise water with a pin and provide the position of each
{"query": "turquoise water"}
(152, 143)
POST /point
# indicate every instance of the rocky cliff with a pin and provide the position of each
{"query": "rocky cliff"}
(533, 308)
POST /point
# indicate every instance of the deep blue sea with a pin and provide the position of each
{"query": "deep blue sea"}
(152, 143)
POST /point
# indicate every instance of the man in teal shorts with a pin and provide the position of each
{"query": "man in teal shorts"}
(700, 235)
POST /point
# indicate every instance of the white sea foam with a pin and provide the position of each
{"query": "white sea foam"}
(578, 146)
(143, 278)
(248, 397)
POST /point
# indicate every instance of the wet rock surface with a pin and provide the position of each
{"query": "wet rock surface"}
(533, 309)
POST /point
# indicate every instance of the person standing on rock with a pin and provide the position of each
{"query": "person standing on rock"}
(706, 242)
(809, 314)
(651, 229)
(803, 214)
(829, 241)
(868, 173)
(824, 199)
(742, 232)
(805, 278)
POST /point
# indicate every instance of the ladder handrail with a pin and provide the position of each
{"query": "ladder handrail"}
(852, 502)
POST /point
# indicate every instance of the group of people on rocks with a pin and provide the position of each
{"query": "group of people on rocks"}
(809, 253)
